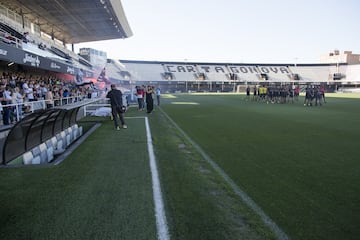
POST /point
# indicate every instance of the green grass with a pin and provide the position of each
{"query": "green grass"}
(300, 164)
(199, 204)
(101, 191)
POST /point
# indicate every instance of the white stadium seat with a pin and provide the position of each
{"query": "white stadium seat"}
(50, 150)
(27, 158)
(80, 131)
(69, 136)
(43, 153)
(75, 129)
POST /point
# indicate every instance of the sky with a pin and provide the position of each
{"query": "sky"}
(236, 31)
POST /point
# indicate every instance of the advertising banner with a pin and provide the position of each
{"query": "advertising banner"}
(21, 57)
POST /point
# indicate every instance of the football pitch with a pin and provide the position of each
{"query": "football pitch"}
(228, 169)
(299, 164)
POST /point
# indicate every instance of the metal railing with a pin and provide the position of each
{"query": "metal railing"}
(19, 110)
(11, 40)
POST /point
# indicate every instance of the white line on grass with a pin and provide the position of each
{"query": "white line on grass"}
(280, 234)
(161, 224)
(134, 117)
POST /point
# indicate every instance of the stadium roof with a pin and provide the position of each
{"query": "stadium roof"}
(75, 21)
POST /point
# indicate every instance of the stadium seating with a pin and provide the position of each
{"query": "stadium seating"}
(241, 73)
(52, 50)
(352, 72)
(313, 73)
(49, 150)
(29, 158)
(68, 136)
(188, 73)
(11, 31)
(75, 131)
(59, 52)
(40, 151)
(57, 145)
(145, 72)
(46, 152)
(33, 48)
(113, 70)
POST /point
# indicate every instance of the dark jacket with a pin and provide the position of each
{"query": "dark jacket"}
(115, 96)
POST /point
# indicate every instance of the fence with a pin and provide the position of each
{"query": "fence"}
(43, 133)
(20, 110)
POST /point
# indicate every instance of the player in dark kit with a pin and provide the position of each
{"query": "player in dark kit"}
(117, 108)
(247, 93)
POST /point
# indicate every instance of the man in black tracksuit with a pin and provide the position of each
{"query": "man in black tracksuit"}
(117, 107)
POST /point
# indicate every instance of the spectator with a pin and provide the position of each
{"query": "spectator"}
(18, 98)
(158, 94)
(140, 97)
(49, 99)
(117, 109)
(65, 95)
(149, 99)
(28, 90)
(5, 99)
(27, 37)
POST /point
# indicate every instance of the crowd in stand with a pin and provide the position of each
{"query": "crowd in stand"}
(18, 91)
(13, 37)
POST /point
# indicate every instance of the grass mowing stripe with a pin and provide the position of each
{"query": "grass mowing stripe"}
(299, 164)
(102, 191)
(161, 224)
(73, 146)
(280, 234)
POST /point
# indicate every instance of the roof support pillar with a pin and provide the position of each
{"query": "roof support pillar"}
(22, 18)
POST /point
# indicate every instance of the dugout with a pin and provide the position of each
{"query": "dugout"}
(38, 137)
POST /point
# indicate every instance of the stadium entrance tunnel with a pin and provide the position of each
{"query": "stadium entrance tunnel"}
(40, 136)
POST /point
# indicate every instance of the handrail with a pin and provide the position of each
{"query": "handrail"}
(11, 40)
(41, 104)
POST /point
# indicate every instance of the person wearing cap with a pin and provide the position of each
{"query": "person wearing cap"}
(117, 108)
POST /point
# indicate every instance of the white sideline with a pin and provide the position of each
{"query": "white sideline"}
(161, 224)
(280, 234)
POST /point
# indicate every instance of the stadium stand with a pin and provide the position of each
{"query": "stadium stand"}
(42, 48)
(217, 72)
(144, 72)
(314, 73)
(351, 72)
(239, 73)
(60, 53)
(11, 31)
(185, 72)
(115, 71)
